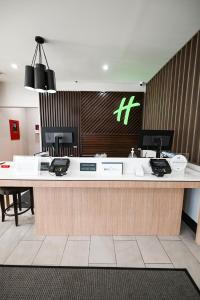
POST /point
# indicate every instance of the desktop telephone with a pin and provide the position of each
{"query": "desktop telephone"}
(160, 167)
(59, 166)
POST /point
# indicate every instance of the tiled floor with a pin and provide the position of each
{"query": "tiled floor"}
(20, 245)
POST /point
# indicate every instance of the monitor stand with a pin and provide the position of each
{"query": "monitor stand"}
(56, 149)
(158, 144)
(158, 151)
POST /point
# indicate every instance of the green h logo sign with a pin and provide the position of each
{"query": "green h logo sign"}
(126, 108)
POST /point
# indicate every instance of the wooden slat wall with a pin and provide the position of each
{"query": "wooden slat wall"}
(172, 100)
(61, 109)
(97, 113)
(92, 114)
(113, 145)
(100, 131)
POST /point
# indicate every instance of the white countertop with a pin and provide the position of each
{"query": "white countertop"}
(191, 174)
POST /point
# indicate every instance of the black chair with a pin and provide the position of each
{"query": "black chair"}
(17, 201)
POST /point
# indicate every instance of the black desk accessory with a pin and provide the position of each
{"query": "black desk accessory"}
(59, 166)
(88, 167)
(160, 167)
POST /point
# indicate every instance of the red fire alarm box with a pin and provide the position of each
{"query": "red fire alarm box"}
(14, 130)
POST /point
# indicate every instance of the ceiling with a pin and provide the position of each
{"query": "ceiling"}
(134, 37)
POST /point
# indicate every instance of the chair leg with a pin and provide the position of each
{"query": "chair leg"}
(19, 201)
(32, 201)
(2, 207)
(7, 200)
(15, 208)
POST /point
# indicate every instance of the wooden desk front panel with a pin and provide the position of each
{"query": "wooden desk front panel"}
(117, 184)
(100, 211)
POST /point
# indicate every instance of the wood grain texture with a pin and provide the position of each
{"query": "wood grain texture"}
(100, 131)
(108, 211)
(172, 100)
(97, 113)
(117, 184)
(92, 114)
(153, 195)
(112, 145)
(61, 109)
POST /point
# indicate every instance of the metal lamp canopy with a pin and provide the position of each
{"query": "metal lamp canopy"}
(39, 76)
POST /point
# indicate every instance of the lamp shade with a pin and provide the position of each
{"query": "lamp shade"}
(29, 77)
(40, 78)
(51, 81)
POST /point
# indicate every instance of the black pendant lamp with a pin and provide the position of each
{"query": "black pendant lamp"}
(38, 76)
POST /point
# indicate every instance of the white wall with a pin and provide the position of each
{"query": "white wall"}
(9, 147)
(13, 94)
(18, 104)
(100, 86)
(29, 142)
(33, 139)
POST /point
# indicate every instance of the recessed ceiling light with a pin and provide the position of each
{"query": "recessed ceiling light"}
(14, 66)
(105, 67)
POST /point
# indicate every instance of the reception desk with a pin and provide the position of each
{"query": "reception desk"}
(92, 203)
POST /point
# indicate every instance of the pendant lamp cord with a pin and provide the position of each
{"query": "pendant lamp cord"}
(34, 56)
(40, 54)
(39, 46)
(45, 56)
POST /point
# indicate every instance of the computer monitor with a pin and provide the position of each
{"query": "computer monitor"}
(157, 140)
(64, 137)
(56, 137)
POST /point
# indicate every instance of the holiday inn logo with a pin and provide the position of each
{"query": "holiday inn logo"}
(127, 108)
